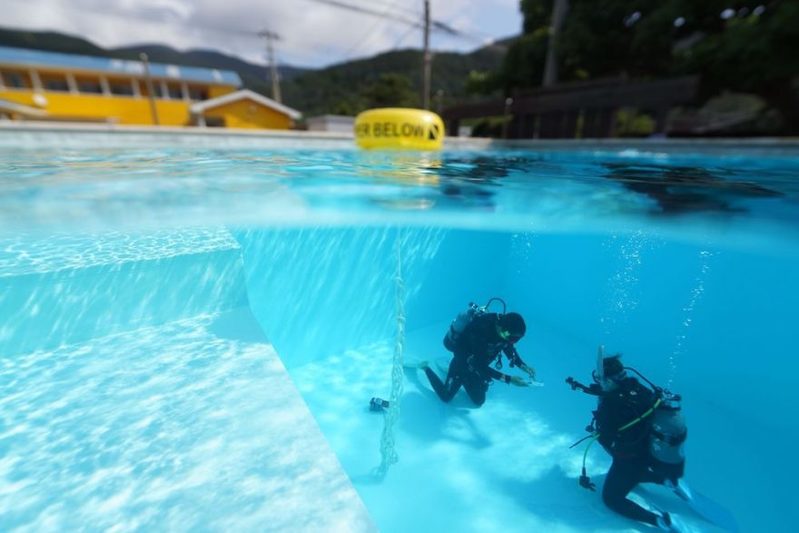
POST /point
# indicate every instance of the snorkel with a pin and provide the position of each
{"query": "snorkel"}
(609, 370)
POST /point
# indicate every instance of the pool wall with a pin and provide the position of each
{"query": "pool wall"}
(33, 134)
(66, 289)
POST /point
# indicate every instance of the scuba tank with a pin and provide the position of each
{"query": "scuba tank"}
(459, 324)
(668, 431)
(463, 319)
(666, 426)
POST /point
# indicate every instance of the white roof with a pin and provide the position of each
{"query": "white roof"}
(244, 94)
(21, 108)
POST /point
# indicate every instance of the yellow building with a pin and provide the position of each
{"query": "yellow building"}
(36, 85)
(243, 109)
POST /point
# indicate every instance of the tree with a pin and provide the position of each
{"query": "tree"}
(482, 82)
(739, 45)
(536, 13)
(751, 51)
(524, 63)
(390, 90)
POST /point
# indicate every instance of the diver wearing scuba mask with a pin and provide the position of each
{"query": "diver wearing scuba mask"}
(478, 339)
(643, 430)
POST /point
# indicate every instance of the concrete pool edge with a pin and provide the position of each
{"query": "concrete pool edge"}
(65, 134)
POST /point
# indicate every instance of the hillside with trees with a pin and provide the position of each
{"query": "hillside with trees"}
(391, 78)
(739, 48)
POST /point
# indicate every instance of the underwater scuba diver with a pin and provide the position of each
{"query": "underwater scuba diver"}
(478, 338)
(643, 430)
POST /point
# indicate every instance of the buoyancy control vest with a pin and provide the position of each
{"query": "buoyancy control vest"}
(464, 318)
(622, 418)
(659, 427)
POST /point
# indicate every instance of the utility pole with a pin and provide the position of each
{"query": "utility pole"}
(270, 52)
(150, 89)
(551, 68)
(427, 58)
(427, 24)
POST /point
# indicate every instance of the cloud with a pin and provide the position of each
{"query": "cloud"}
(312, 33)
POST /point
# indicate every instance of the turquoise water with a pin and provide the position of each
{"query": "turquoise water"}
(190, 337)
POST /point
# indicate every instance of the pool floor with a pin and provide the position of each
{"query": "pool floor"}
(190, 425)
(506, 466)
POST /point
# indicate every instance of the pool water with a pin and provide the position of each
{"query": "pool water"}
(190, 336)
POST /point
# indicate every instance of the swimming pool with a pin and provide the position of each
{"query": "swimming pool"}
(193, 327)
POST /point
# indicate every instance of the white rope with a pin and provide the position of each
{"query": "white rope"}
(388, 451)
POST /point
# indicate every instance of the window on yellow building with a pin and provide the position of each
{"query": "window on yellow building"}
(89, 86)
(54, 82)
(15, 79)
(215, 122)
(198, 93)
(121, 87)
(157, 92)
(174, 91)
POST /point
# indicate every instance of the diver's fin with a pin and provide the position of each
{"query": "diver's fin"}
(712, 512)
(681, 489)
(673, 525)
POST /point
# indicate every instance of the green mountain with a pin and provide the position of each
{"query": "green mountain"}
(50, 41)
(340, 88)
(335, 89)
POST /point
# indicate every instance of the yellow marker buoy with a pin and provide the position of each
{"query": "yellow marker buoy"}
(399, 128)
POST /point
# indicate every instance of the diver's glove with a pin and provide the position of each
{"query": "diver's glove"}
(529, 370)
(519, 382)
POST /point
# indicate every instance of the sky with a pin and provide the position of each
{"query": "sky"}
(312, 33)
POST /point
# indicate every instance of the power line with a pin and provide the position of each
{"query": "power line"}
(374, 7)
(370, 11)
(415, 13)
(370, 34)
(426, 24)
(403, 37)
(415, 22)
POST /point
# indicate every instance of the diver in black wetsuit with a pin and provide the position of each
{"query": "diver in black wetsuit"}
(627, 418)
(483, 340)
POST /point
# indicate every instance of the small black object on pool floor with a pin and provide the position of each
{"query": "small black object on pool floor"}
(378, 404)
